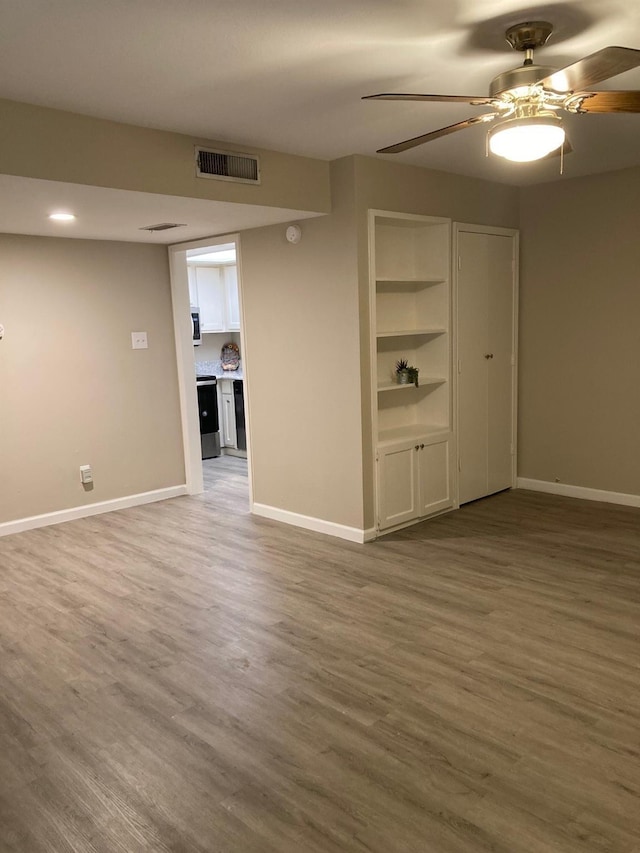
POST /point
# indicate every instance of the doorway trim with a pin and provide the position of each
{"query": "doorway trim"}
(185, 359)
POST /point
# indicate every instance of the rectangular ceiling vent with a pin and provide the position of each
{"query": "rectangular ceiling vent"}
(227, 166)
(162, 226)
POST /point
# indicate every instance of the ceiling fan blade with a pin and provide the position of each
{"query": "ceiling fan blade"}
(466, 99)
(609, 102)
(435, 134)
(592, 69)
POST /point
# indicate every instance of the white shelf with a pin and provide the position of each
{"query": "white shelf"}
(412, 431)
(423, 383)
(405, 333)
(413, 283)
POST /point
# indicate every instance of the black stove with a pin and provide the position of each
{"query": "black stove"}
(207, 387)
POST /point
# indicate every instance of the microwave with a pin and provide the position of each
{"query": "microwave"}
(195, 325)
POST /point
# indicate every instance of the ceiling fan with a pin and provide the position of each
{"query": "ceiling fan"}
(527, 100)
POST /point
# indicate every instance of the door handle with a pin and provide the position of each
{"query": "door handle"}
(488, 355)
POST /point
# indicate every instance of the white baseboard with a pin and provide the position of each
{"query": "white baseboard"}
(578, 492)
(22, 524)
(231, 451)
(318, 525)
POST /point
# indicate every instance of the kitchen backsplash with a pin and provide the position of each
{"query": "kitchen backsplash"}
(212, 343)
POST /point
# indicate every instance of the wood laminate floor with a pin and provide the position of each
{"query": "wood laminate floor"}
(183, 677)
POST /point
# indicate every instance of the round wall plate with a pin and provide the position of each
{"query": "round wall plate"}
(294, 233)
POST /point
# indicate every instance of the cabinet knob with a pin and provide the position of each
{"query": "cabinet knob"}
(417, 447)
(422, 447)
(488, 355)
(204, 414)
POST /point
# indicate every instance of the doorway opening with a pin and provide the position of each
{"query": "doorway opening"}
(208, 322)
(215, 309)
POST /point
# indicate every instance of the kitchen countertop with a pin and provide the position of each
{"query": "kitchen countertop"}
(214, 368)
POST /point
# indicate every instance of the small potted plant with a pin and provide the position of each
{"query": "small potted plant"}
(406, 373)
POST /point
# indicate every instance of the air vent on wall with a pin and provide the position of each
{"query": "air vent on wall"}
(162, 226)
(227, 166)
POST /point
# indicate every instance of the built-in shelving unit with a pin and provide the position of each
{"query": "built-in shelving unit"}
(410, 298)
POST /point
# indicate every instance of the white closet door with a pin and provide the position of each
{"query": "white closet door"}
(486, 363)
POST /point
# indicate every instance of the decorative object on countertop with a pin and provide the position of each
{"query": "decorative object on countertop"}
(230, 356)
(405, 373)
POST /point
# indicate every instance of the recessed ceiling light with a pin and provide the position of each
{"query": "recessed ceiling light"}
(62, 217)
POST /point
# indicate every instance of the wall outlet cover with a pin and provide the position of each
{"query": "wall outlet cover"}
(139, 340)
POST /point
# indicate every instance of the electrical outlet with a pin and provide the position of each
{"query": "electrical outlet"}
(86, 474)
(139, 340)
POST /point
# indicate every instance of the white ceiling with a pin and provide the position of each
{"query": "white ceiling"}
(108, 214)
(288, 74)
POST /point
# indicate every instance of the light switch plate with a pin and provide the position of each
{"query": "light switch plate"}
(139, 340)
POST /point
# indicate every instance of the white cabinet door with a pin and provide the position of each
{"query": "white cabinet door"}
(211, 298)
(397, 484)
(233, 301)
(434, 477)
(486, 360)
(228, 420)
(414, 480)
(193, 287)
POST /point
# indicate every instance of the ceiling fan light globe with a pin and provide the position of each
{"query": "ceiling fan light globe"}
(526, 140)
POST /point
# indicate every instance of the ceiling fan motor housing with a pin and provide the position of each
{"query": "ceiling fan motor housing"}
(529, 35)
(524, 75)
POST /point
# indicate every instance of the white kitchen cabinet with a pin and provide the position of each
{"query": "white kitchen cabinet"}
(414, 479)
(214, 289)
(228, 414)
(486, 357)
(411, 318)
(211, 298)
(232, 296)
(193, 287)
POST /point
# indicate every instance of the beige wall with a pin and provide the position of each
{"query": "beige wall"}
(389, 185)
(307, 334)
(37, 142)
(579, 332)
(73, 390)
(303, 360)
(385, 185)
